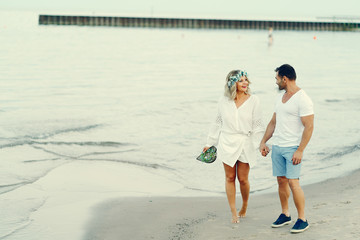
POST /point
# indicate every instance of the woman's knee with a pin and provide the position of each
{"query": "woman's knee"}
(243, 180)
(230, 178)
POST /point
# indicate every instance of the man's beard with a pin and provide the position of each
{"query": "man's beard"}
(281, 87)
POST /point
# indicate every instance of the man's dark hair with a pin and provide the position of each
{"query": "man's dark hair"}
(286, 70)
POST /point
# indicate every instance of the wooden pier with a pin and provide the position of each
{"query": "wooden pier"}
(149, 22)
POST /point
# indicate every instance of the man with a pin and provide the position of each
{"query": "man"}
(291, 128)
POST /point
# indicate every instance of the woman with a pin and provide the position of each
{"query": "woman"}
(237, 131)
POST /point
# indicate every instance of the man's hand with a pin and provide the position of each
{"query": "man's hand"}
(264, 149)
(297, 157)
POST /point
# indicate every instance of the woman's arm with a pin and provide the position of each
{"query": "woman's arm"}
(214, 131)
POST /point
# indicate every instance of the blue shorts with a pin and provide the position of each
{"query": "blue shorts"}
(282, 162)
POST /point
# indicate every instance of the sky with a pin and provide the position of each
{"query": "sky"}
(195, 8)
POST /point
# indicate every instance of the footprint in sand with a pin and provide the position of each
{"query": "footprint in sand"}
(321, 222)
(319, 205)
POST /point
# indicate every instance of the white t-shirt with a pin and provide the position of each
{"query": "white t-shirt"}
(289, 128)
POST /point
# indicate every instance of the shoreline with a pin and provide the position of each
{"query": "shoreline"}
(332, 209)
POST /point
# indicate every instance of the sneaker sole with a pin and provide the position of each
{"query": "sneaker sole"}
(300, 230)
(280, 225)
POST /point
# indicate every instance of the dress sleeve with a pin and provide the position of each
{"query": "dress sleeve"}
(214, 131)
(257, 126)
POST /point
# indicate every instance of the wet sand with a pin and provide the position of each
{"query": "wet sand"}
(332, 209)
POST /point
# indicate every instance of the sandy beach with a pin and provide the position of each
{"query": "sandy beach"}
(332, 209)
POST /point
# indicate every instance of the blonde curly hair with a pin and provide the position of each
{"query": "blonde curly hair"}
(230, 88)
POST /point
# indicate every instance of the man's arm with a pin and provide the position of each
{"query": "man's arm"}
(308, 122)
(267, 135)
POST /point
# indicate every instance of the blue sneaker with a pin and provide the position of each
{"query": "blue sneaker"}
(281, 221)
(300, 226)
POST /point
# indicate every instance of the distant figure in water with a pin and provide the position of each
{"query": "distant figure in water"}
(270, 35)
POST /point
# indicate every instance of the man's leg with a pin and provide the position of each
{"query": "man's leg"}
(284, 194)
(279, 170)
(299, 198)
(293, 174)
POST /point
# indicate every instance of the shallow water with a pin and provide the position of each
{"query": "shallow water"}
(145, 98)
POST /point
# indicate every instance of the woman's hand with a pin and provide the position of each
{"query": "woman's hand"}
(205, 149)
(264, 149)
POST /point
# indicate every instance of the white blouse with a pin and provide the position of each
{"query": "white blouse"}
(236, 131)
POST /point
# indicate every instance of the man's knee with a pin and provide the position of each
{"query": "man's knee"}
(282, 181)
(294, 184)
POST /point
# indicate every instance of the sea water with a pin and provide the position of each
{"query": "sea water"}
(125, 111)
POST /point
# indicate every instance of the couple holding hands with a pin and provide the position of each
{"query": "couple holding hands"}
(237, 132)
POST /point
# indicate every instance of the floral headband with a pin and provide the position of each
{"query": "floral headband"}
(235, 78)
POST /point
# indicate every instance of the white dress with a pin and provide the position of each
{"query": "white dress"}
(236, 131)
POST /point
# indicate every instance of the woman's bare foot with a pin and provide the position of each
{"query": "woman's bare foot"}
(242, 212)
(235, 219)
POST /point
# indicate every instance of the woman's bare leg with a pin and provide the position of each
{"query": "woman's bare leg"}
(230, 176)
(243, 170)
